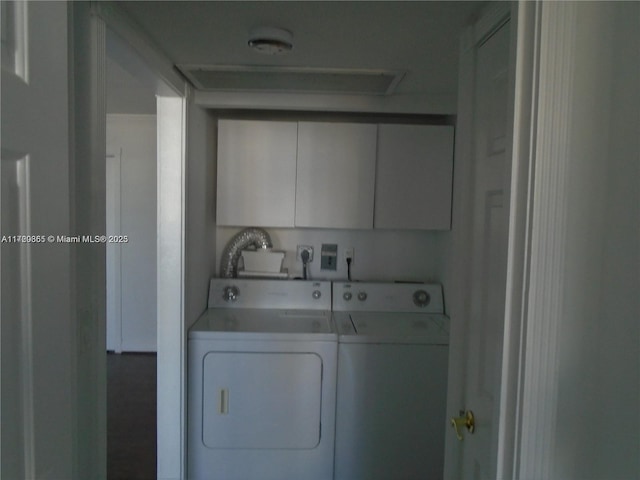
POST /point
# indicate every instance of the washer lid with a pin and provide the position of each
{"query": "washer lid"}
(384, 327)
(269, 321)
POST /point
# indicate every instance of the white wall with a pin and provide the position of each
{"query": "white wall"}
(200, 211)
(381, 255)
(619, 339)
(125, 93)
(599, 343)
(135, 137)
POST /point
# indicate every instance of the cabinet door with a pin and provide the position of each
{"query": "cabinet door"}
(256, 173)
(414, 177)
(336, 172)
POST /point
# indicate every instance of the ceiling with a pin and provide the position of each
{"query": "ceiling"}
(419, 38)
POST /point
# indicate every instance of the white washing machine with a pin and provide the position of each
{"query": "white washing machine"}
(392, 381)
(262, 376)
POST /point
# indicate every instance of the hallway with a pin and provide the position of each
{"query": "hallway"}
(131, 416)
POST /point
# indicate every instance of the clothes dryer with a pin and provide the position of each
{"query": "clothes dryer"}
(262, 375)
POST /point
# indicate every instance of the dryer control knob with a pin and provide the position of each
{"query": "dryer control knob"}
(230, 294)
(316, 294)
(421, 298)
(346, 296)
(362, 296)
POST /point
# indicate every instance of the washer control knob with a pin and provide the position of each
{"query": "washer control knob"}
(362, 296)
(421, 298)
(316, 294)
(230, 293)
(346, 296)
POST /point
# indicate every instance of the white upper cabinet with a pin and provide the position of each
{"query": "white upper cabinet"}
(414, 177)
(336, 175)
(256, 173)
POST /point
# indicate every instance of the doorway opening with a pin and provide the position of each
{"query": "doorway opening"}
(144, 128)
(131, 216)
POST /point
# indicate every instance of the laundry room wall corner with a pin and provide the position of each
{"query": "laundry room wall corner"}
(200, 228)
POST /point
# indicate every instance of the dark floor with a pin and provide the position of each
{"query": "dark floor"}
(131, 416)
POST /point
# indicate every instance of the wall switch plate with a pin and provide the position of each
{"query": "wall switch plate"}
(302, 248)
(329, 256)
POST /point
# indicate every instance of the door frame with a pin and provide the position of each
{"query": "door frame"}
(527, 367)
(153, 68)
(529, 383)
(546, 46)
(519, 250)
(545, 43)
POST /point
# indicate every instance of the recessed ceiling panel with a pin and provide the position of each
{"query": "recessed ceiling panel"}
(291, 80)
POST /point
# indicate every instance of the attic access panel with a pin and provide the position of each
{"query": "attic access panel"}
(292, 79)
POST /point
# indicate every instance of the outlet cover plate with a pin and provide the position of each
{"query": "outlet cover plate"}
(329, 256)
(301, 248)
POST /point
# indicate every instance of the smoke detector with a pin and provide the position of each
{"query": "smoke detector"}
(271, 40)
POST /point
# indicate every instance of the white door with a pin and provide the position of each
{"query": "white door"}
(488, 278)
(488, 213)
(37, 323)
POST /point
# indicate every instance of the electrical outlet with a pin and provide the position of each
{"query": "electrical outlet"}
(349, 253)
(302, 248)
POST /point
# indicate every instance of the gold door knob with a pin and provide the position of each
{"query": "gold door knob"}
(464, 420)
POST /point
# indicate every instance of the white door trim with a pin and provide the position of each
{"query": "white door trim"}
(88, 120)
(536, 308)
(525, 18)
(171, 383)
